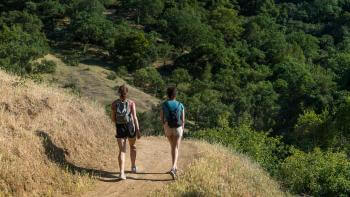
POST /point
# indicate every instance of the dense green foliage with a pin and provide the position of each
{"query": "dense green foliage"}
(21, 41)
(317, 173)
(282, 67)
(267, 151)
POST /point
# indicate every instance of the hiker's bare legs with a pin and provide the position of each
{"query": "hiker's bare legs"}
(175, 149)
(170, 139)
(132, 145)
(121, 157)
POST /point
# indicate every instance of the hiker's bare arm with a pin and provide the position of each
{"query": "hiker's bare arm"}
(162, 116)
(136, 121)
(183, 119)
(113, 112)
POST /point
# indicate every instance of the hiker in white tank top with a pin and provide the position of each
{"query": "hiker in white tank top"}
(127, 126)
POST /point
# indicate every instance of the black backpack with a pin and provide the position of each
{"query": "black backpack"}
(174, 120)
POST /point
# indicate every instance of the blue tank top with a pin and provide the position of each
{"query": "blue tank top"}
(173, 105)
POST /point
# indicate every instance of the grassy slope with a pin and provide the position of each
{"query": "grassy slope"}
(46, 136)
(52, 142)
(92, 82)
(219, 172)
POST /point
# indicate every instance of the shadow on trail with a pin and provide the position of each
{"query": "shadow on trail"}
(149, 179)
(58, 156)
(148, 172)
(134, 178)
(138, 178)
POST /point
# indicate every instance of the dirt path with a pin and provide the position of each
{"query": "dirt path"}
(153, 161)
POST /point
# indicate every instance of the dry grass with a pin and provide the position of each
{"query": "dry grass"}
(218, 172)
(93, 83)
(50, 142)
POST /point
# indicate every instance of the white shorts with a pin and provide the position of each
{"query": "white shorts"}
(172, 131)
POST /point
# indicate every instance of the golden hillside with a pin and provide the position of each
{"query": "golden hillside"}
(219, 172)
(55, 144)
(93, 83)
(46, 136)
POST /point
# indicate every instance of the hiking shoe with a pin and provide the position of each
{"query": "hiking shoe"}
(134, 169)
(173, 173)
(122, 177)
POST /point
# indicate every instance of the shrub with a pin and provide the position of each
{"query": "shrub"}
(71, 61)
(150, 80)
(180, 75)
(133, 50)
(46, 66)
(18, 48)
(317, 173)
(150, 123)
(267, 151)
(92, 28)
(112, 76)
(122, 71)
(309, 130)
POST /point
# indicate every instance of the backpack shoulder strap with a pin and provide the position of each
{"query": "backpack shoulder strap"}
(127, 104)
(178, 105)
(167, 105)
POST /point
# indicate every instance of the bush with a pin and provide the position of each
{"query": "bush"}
(150, 123)
(46, 66)
(133, 50)
(180, 75)
(150, 80)
(310, 130)
(18, 48)
(112, 76)
(122, 71)
(317, 173)
(267, 151)
(92, 28)
(71, 61)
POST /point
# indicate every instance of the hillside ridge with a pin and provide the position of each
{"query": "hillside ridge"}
(56, 144)
(92, 81)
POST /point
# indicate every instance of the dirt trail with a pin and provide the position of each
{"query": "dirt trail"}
(153, 161)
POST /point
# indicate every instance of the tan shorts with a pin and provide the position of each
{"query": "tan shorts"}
(172, 131)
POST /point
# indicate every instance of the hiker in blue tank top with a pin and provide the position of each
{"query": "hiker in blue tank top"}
(173, 106)
(172, 116)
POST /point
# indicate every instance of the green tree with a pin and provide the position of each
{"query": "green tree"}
(308, 43)
(28, 22)
(132, 50)
(92, 28)
(207, 56)
(255, 7)
(227, 21)
(146, 10)
(339, 63)
(19, 48)
(301, 86)
(185, 30)
(150, 80)
(317, 173)
(180, 75)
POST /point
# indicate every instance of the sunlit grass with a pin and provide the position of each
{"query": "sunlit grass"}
(219, 172)
(51, 143)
